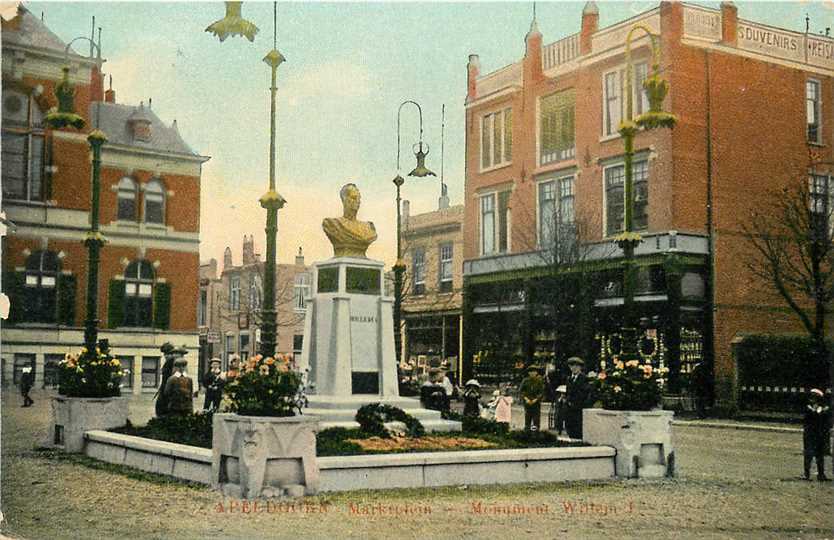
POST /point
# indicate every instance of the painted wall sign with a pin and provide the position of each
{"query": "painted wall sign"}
(701, 24)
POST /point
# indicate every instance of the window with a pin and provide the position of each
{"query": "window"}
(297, 344)
(615, 197)
(23, 147)
(50, 369)
(495, 228)
(230, 347)
(821, 202)
(202, 309)
(139, 294)
(301, 290)
(244, 346)
(496, 138)
(127, 370)
(556, 214)
(255, 293)
(446, 252)
(40, 296)
(556, 137)
(21, 361)
(234, 292)
(126, 195)
(150, 372)
(154, 202)
(614, 107)
(812, 110)
(419, 270)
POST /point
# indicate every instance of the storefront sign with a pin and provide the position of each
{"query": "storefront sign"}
(213, 336)
(821, 52)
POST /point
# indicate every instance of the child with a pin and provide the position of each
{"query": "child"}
(471, 398)
(503, 409)
(558, 412)
(815, 433)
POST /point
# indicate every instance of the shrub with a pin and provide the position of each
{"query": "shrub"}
(266, 387)
(629, 386)
(332, 442)
(372, 418)
(193, 429)
(483, 426)
(90, 374)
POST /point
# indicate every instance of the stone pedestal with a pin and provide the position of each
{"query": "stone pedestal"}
(261, 456)
(349, 345)
(643, 440)
(72, 416)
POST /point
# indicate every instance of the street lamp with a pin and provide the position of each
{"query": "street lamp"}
(628, 240)
(62, 117)
(271, 201)
(420, 171)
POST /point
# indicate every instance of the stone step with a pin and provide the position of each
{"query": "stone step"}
(354, 402)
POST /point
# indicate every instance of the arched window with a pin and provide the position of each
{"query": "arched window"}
(139, 294)
(127, 199)
(23, 147)
(154, 202)
(42, 269)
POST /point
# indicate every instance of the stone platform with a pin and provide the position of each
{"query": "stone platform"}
(339, 411)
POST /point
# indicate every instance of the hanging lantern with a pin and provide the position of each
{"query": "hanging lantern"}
(65, 114)
(233, 24)
(656, 89)
(420, 170)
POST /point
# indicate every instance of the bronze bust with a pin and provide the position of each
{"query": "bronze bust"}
(349, 236)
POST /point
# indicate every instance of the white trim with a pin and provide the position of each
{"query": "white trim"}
(808, 68)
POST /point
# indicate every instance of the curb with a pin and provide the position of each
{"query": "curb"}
(722, 425)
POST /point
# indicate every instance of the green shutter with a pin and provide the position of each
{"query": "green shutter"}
(161, 305)
(66, 299)
(13, 288)
(116, 303)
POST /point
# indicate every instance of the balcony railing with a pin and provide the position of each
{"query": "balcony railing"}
(559, 52)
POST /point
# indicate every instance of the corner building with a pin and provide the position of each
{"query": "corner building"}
(544, 164)
(149, 213)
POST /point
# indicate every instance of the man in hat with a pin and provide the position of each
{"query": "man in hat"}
(27, 381)
(817, 422)
(577, 396)
(179, 389)
(214, 381)
(532, 391)
(161, 406)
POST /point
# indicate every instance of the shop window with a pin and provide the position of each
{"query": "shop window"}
(22, 147)
(150, 372)
(50, 369)
(127, 370)
(40, 287)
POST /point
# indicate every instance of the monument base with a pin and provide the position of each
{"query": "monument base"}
(340, 411)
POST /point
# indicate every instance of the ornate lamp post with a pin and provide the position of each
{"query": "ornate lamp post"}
(420, 171)
(65, 116)
(272, 201)
(628, 240)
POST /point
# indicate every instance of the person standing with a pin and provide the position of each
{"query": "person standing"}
(27, 381)
(532, 391)
(472, 398)
(161, 405)
(815, 428)
(179, 390)
(214, 381)
(577, 396)
(504, 409)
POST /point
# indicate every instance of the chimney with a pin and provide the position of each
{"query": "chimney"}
(248, 249)
(533, 53)
(590, 24)
(299, 259)
(110, 94)
(729, 24)
(473, 69)
(227, 259)
(96, 84)
(140, 123)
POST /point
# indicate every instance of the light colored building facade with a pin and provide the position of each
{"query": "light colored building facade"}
(230, 304)
(149, 214)
(543, 151)
(432, 245)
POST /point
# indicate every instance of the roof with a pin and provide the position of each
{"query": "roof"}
(112, 119)
(27, 30)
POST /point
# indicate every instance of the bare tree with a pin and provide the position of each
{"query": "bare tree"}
(793, 250)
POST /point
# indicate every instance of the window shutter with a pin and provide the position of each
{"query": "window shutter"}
(13, 288)
(116, 303)
(162, 306)
(66, 299)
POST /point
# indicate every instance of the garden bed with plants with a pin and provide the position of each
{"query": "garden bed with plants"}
(477, 434)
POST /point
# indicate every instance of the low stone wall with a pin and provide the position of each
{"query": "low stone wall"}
(380, 471)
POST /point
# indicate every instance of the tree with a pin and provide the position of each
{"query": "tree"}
(793, 250)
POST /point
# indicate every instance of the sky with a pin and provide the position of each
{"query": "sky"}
(349, 67)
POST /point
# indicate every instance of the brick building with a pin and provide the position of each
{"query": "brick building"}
(149, 214)
(230, 304)
(544, 165)
(432, 245)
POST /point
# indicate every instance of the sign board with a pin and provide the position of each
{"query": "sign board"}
(213, 336)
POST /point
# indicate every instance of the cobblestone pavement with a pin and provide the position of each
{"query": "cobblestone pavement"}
(731, 484)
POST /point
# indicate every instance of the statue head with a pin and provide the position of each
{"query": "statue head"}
(351, 199)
